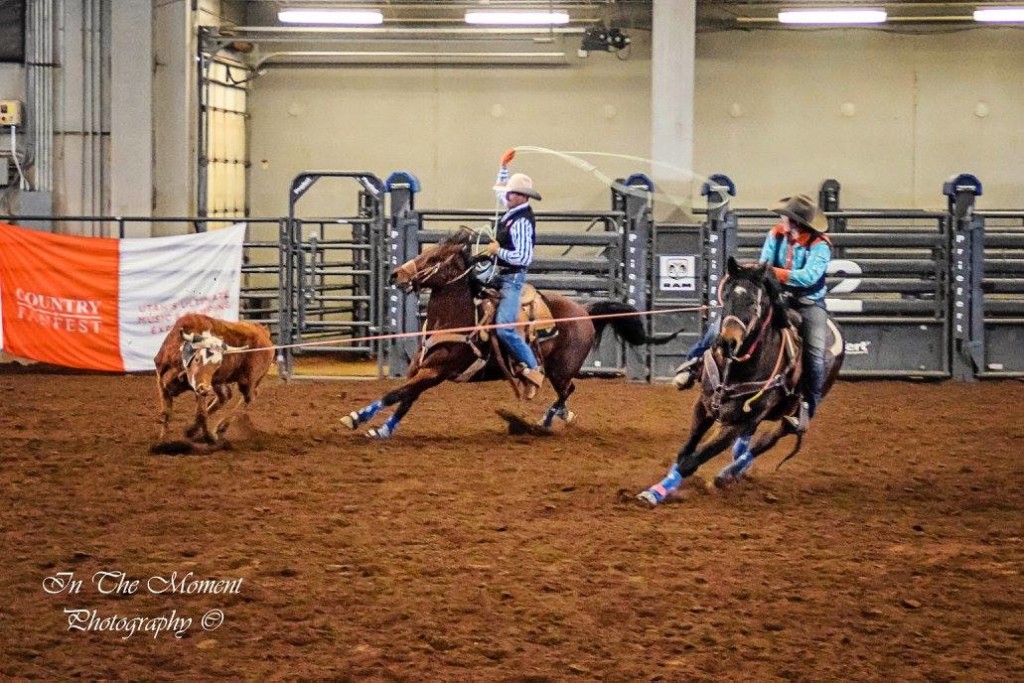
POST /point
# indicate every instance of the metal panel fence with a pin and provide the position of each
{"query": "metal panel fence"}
(917, 293)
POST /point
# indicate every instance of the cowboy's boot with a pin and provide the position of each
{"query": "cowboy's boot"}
(686, 374)
(533, 380)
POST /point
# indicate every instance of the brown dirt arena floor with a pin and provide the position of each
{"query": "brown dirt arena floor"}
(890, 549)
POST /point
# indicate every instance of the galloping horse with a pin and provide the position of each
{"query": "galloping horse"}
(445, 269)
(750, 375)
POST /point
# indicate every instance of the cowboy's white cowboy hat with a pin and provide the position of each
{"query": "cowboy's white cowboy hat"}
(520, 183)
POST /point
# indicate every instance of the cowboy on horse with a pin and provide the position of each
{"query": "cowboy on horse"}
(799, 253)
(512, 247)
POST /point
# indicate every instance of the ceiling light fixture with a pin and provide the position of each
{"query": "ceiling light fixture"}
(1002, 14)
(517, 18)
(827, 16)
(331, 16)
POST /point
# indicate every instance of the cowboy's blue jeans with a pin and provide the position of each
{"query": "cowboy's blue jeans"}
(705, 342)
(508, 312)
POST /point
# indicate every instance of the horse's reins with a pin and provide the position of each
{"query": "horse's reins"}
(422, 274)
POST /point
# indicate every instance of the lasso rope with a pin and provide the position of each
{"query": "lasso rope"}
(574, 158)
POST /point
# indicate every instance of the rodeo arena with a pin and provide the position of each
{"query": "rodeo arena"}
(598, 340)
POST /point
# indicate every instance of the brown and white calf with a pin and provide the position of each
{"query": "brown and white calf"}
(207, 355)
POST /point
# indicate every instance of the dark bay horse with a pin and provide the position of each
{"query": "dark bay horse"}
(444, 356)
(750, 376)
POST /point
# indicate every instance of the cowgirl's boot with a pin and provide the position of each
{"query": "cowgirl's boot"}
(813, 382)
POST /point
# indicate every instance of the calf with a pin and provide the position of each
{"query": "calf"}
(207, 355)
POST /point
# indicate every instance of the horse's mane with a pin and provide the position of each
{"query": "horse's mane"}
(763, 275)
(461, 238)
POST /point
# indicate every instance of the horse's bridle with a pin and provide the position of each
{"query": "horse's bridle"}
(421, 274)
(748, 327)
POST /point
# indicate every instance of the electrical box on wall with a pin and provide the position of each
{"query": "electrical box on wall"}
(10, 113)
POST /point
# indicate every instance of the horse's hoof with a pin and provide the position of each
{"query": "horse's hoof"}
(351, 420)
(378, 434)
(732, 473)
(647, 500)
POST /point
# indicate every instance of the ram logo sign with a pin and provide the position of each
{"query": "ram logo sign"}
(677, 273)
(857, 348)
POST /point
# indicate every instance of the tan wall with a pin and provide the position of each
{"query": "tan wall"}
(449, 126)
(913, 121)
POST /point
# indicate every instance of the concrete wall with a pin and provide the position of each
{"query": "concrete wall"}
(12, 82)
(889, 115)
(450, 125)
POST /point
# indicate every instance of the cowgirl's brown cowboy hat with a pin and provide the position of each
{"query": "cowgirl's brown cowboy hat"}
(803, 210)
(520, 183)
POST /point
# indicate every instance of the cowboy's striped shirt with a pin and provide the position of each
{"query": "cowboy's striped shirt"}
(520, 231)
(521, 253)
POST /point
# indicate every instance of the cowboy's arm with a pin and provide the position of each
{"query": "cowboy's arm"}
(770, 240)
(817, 263)
(521, 253)
(500, 181)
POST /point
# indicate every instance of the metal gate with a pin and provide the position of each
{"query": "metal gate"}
(1002, 289)
(334, 270)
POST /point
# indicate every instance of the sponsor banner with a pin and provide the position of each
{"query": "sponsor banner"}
(59, 298)
(106, 304)
(163, 278)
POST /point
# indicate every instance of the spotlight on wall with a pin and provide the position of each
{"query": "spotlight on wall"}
(342, 17)
(516, 18)
(829, 16)
(604, 39)
(1006, 15)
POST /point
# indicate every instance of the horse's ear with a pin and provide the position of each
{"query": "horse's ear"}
(733, 266)
(761, 271)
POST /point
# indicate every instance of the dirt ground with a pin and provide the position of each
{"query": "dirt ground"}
(890, 549)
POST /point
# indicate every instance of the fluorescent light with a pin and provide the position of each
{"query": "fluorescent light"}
(330, 16)
(1003, 14)
(828, 16)
(517, 18)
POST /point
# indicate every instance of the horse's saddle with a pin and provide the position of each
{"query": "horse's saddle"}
(533, 309)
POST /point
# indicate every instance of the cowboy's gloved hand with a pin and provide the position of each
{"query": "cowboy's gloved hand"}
(507, 157)
(490, 249)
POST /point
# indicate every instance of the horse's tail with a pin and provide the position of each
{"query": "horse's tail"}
(796, 449)
(628, 327)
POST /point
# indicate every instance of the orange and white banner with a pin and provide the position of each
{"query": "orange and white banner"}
(107, 304)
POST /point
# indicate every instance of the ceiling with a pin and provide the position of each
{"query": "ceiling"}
(711, 14)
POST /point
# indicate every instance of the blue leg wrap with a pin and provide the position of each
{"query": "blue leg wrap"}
(391, 425)
(741, 447)
(549, 416)
(369, 411)
(742, 459)
(660, 491)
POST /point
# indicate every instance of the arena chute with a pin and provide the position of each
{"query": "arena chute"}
(106, 304)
